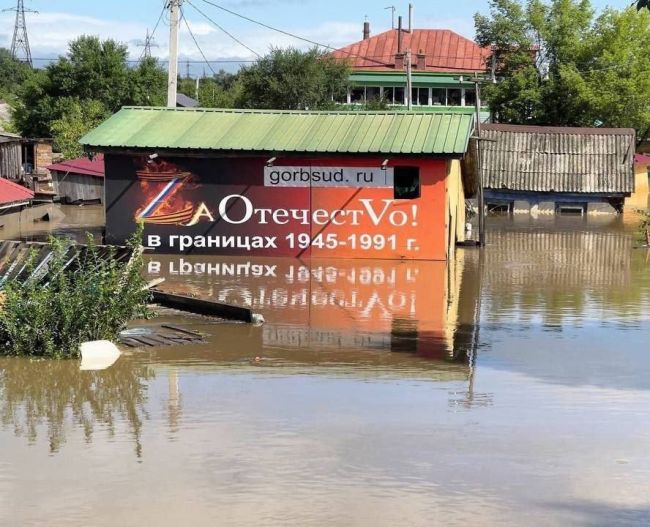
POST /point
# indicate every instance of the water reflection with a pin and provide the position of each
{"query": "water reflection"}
(56, 395)
(318, 305)
(39, 222)
(510, 383)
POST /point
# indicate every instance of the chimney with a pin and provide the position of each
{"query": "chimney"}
(410, 18)
(399, 61)
(366, 30)
(421, 60)
(399, 35)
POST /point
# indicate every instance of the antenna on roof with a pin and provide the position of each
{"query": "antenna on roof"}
(392, 16)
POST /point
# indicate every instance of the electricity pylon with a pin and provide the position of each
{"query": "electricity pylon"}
(20, 42)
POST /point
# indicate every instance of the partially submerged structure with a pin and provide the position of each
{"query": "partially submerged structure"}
(549, 170)
(13, 197)
(11, 161)
(282, 183)
(79, 180)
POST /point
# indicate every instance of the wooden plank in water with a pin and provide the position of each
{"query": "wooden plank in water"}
(202, 307)
(183, 331)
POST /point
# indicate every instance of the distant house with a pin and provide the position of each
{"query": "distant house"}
(13, 197)
(183, 101)
(443, 64)
(79, 180)
(548, 170)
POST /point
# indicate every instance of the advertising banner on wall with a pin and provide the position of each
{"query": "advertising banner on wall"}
(299, 208)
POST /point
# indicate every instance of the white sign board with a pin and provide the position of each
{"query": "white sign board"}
(286, 176)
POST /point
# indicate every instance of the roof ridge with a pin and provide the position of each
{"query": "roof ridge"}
(281, 112)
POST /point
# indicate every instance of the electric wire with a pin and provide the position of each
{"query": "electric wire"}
(223, 30)
(162, 13)
(292, 35)
(189, 29)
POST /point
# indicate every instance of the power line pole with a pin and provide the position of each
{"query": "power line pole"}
(147, 44)
(20, 43)
(174, 21)
(479, 167)
(409, 80)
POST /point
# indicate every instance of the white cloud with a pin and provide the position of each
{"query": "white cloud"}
(50, 33)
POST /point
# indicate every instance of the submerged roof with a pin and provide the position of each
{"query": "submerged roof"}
(282, 131)
(11, 192)
(445, 51)
(558, 159)
(82, 165)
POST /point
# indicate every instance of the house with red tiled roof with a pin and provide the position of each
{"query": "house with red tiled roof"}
(442, 64)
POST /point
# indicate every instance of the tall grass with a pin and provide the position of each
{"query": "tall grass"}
(93, 299)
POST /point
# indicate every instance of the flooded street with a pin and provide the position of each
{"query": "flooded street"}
(508, 388)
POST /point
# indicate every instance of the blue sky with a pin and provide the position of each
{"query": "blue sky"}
(332, 22)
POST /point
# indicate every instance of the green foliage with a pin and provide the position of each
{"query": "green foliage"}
(76, 120)
(557, 63)
(93, 79)
(376, 104)
(644, 225)
(93, 300)
(148, 84)
(12, 74)
(290, 79)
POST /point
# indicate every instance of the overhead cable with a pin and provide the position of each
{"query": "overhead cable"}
(222, 29)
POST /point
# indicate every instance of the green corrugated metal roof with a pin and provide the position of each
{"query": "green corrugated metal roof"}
(283, 131)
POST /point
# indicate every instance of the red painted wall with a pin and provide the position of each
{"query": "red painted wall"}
(222, 206)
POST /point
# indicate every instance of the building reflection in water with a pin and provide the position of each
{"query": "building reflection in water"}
(561, 277)
(55, 395)
(428, 309)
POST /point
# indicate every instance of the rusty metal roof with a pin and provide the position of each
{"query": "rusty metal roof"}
(549, 159)
(445, 51)
(82, 166)
(283, 131)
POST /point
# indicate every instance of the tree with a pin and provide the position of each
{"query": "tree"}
(75, 92)
(642, 3)
(78, 118)
(290, 79)
(148, 84)
(12, 74)
(517, 97)
(559, 64)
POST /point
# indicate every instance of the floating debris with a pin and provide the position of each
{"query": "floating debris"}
(162, 335)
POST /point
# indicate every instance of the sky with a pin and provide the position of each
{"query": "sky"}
(332, 22)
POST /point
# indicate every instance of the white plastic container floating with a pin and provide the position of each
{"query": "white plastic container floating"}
(98, 355)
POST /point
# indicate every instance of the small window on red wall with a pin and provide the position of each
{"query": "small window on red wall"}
(407, 183)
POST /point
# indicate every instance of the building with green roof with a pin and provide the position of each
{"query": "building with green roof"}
(286, 183)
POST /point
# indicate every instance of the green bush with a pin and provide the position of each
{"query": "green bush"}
(93, 299)
(644, 226)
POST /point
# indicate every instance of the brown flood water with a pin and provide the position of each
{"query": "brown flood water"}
(510, 388)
